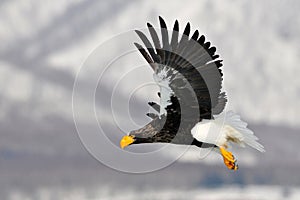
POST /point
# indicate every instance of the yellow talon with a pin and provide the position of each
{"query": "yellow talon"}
(229, 159)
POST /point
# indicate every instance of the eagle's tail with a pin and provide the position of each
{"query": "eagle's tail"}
(236, 131)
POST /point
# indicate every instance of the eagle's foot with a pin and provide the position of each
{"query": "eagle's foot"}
(229, 159)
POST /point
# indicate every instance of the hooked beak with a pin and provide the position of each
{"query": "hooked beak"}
(126, 140)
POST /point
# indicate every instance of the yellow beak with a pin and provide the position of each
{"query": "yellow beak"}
(126, 140)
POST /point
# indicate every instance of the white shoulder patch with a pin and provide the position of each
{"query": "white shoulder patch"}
(163, 82)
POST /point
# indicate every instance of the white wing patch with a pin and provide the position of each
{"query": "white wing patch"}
(163, 81)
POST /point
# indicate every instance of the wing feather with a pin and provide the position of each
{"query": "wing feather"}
(187, 69)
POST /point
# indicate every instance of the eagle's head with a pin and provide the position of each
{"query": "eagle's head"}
(146, 134)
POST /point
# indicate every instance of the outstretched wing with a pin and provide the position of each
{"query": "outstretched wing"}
(186, 68)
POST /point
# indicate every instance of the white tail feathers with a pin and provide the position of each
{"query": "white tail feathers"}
(225, 128)
(240, 132)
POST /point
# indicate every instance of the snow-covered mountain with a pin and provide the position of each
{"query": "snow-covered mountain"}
(44, 45)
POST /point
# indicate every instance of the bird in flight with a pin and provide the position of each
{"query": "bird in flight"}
(191, 109)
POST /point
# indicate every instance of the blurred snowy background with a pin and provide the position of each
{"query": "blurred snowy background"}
(43, 45)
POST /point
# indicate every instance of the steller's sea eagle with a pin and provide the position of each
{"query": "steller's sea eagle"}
(191, 110)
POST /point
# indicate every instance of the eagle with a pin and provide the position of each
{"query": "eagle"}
(192, 103)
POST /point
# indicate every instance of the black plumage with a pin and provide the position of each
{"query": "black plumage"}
(195, 81)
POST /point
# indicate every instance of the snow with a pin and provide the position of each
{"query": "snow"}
(252, 192)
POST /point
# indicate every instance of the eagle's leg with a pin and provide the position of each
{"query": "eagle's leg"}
(229, 159)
